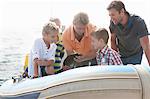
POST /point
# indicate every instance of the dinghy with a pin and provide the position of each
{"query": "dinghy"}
(93, 82)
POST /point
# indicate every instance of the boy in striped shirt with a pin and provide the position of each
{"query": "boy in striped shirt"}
(60, 49)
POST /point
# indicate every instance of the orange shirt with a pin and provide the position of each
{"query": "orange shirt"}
(72, 44)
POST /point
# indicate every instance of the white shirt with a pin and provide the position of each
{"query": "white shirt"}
(40, 51)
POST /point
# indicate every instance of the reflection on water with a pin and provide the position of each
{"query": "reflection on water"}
(13, 47)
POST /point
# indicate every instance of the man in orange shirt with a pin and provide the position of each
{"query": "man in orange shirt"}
(77, 39)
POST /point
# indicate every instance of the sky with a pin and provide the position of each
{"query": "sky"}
(23, 15)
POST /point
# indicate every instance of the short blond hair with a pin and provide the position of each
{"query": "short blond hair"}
(50, 27)
(81, 18)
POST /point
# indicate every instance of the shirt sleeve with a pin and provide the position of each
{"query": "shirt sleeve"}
(142, 28)
(66, 41)
(116, 60)
(35, 50)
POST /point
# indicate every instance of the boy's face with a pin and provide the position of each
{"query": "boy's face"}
(95, 43)
(52, 38)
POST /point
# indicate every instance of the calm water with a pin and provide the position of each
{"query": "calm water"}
(13, 47)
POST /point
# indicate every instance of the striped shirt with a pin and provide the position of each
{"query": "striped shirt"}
(108, 56)
(58, 56)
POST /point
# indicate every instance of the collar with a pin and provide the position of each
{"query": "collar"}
(129, 22)
(103, 51)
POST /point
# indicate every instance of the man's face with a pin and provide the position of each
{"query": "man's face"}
(116, 16)
(80, 29)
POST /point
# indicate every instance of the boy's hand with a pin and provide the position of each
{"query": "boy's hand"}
(65, 67)
(36, 60)
(39, 62)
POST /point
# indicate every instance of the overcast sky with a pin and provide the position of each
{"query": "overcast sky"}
(18, 15)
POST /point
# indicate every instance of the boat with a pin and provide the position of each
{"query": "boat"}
(91, 82)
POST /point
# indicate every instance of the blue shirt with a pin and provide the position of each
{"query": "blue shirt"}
(128, 36)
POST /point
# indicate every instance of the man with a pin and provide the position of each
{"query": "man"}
(129, 34)
(77, 39)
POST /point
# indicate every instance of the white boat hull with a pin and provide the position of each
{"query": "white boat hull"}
(96, 82)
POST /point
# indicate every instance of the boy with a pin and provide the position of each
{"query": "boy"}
(105, 55)
(60, 49)
(43, 52)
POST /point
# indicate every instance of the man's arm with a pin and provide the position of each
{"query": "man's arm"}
(113, 42)
(81, 58)
(69, 52)
(66, 41)
(146, 47)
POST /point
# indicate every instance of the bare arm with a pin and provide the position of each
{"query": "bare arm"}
(44, 62)
(113, 42)
(69, 52)
(91, 55)
(146, 47)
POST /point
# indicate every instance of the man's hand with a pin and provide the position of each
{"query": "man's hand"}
(80, 58)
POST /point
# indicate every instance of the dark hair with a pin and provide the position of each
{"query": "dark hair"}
(118, 5)
(101, 33)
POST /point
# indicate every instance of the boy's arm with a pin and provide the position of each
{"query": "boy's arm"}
(35, 50)
(35, 64)
(45, 62)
